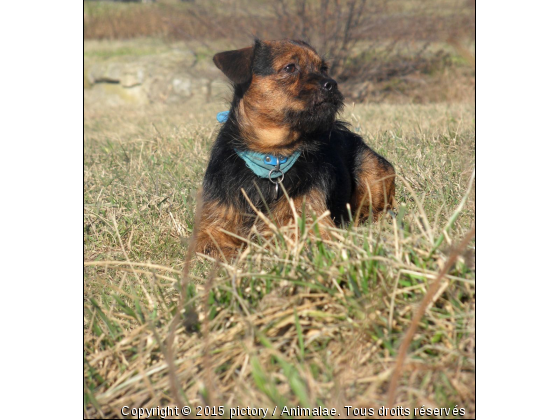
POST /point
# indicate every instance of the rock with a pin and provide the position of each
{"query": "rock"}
(116, 94)
(182, 86)
(133, 79)
(127, 74)
(170, 77)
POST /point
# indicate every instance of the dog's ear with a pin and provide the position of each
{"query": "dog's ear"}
(236, 65)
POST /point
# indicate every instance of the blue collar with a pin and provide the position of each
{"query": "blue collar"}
(267, 165)
(263, 165)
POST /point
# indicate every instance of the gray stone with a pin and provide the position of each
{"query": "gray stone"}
(170, 77)
(182, 86)
(127, 74)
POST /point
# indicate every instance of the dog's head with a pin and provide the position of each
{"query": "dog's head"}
(284, 92)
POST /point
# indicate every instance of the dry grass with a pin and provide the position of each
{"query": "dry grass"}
(323, 20)
(303, 323)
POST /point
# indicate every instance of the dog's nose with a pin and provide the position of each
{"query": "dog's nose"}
(329, 85)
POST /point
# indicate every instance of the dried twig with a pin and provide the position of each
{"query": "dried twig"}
(169, 353)
(455, 253)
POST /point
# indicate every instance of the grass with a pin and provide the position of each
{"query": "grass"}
(214, 19)
(291, 323)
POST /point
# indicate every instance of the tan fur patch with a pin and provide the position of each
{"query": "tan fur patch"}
(263, 132)
(375, 188)
(313, 203)
(214, 220)
(285, 53)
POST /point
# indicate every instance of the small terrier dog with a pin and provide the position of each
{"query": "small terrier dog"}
(282, 129)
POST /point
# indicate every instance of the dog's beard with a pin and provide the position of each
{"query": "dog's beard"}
(317, 118)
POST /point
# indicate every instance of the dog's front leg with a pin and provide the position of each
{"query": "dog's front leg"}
(310, 206)
(375, 185)
(216, 220)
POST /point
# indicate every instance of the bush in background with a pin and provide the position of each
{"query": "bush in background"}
(412, 50)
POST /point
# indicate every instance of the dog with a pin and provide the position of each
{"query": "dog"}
(282, 141)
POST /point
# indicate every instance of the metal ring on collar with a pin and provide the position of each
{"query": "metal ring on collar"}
(274, 181)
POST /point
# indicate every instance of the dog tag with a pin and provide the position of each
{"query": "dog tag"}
(279, 179)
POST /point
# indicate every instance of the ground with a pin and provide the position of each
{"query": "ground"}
(381, 316)
(304, 323)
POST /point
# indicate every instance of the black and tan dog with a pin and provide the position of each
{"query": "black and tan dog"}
(282, 128)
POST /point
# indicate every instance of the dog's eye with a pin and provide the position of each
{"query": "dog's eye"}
(290, 68)
(324, 69)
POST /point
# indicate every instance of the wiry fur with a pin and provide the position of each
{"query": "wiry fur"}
(277, 110)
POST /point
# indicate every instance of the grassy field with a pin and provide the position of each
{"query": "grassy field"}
(290, 322)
